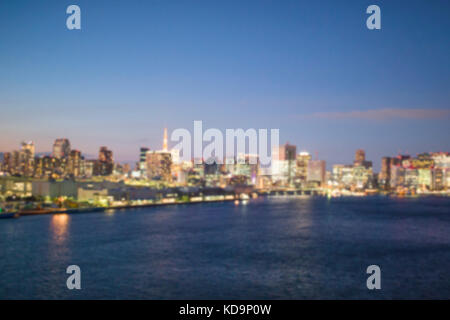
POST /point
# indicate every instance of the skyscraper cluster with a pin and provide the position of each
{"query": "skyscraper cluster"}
(63, 162)
(289, 169)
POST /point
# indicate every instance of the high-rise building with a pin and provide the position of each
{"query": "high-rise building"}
(316, 172)
(159, 165)
(143, 161)
(7, 162)
(384, 177)
(284, 164)
(29, 146)
(301, 172)
(105, 164)
(74, 163)
(360, 156)
(61, 148)
(342, 176)
(247, 165)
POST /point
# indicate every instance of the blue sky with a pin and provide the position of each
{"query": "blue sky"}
(310, 68)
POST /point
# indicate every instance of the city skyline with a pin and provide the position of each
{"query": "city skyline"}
(314, 71)
(168, 147)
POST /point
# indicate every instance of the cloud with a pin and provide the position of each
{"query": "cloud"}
(384, 114)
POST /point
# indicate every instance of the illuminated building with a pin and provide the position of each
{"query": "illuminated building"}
(7, 162)
(441, 171)
(284, 164)
(247, 165)
(61, 148)
(105, 164)
(425, 178)
(360, 156)
(74, 163)
(362, 175)
(301, 172)
(385, 173)
(54, 189)
(89, 166)
(211, 172)
(159, 165)
(29, 147)
(342, 176)
(26, 158)
(176, 159)
(411, 178)
(316, 172)
(45, 166)
(143, 161)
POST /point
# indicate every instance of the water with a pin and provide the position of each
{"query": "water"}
(277, 248)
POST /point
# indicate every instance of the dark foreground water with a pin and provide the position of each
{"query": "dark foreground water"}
(270, 248)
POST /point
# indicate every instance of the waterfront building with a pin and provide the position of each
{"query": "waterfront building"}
(411, 178)
(342, 176)
(316, 173)
(442, 168)
(362, 172)
(397, 176)
(284, 164)
(385, 174)
(54, 189)
(301, 172)
(15, 186)
(95, 193)
(425, 178)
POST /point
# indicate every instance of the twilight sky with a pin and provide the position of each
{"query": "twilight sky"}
(310, 68)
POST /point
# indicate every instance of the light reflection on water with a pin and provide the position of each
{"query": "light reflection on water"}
(285, 248)
(58, 227)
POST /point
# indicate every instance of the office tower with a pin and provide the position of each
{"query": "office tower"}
(363, 175)
(89, 168)
(28, 147)
(284, 164)
(247, 165)
(7, 162)
(288, 152)
(385, 173)
(74, 163)
(142, 166)
(360, 156)
(438, 179)
(316, 172)
(105, 164)
(301, 171)
(159, 165)
(342, 176)
(105, 155)
(61, 148)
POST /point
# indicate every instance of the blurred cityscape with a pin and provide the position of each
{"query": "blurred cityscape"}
(64, 179)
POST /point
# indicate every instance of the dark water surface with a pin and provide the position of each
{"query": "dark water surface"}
(277, 248)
